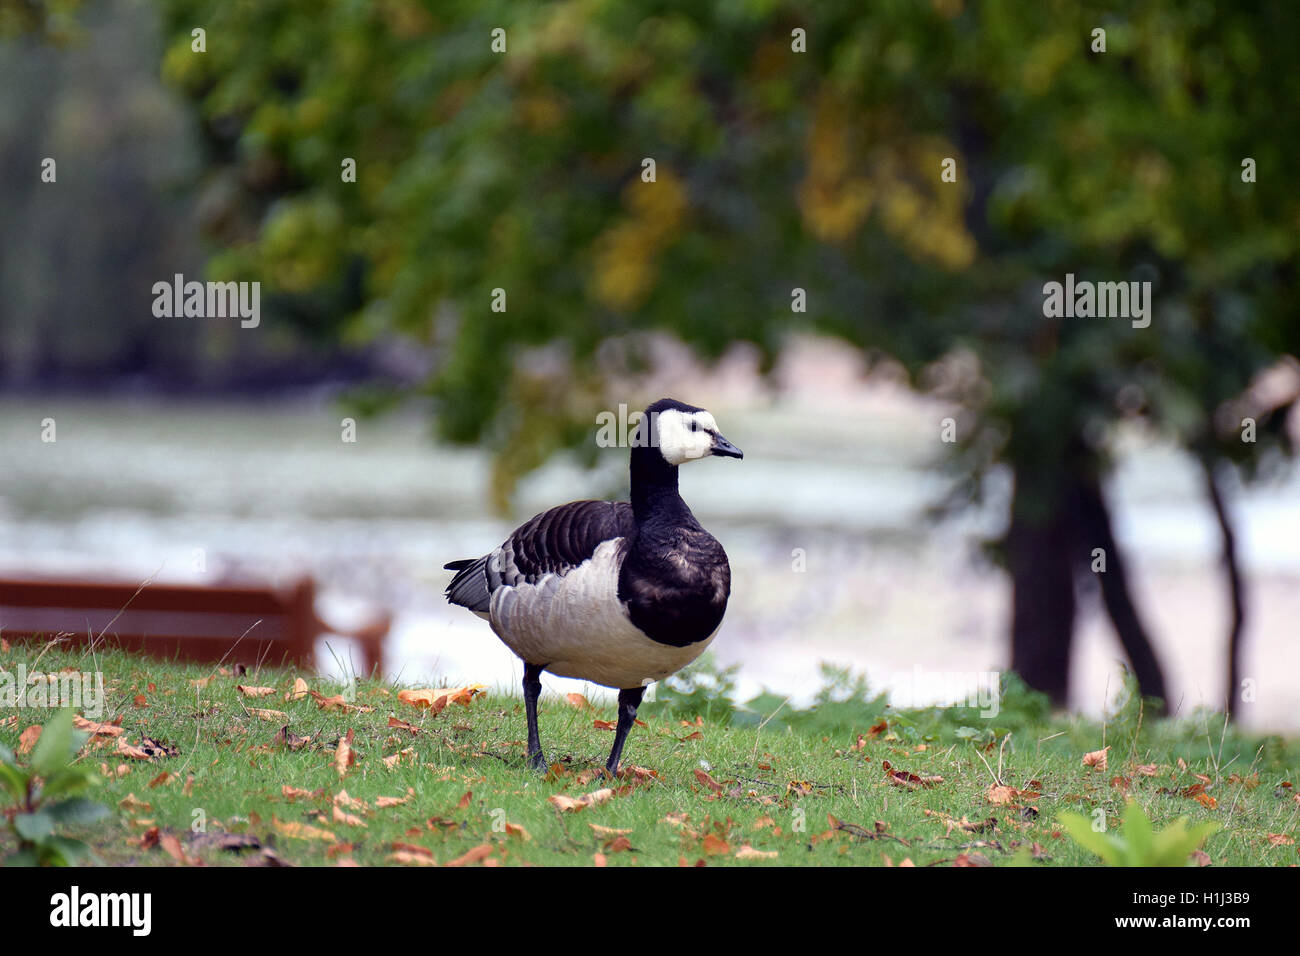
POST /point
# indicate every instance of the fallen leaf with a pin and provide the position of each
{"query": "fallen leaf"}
(571, 804)
(265, 714)
(1001, 794)
(480, 852)
(438, 698)
(1280, 839)
(97, 729)
(578, 701)
(255, 691)
(714, 845)
(344, 757)
(708, 781)
(747, 852)
(300, 690)
(287, 738)
(27, 739)
(302, 831)
(1096, 758)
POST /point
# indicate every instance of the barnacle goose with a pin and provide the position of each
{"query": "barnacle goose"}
(617, 593)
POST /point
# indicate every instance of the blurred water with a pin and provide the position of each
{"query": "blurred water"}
(204, 492)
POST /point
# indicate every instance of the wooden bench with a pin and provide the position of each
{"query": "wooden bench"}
(248, 625)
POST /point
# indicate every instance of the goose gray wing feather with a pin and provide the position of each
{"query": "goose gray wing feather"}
(553, 542)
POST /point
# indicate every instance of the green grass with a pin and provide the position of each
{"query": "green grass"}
(801, 787)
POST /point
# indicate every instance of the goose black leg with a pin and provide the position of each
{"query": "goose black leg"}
(629, 699)
(533, 687)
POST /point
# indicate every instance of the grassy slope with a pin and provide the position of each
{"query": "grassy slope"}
(465, 779)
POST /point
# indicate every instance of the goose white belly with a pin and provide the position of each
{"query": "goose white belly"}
(575, 625)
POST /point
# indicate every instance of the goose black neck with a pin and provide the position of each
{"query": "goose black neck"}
(654, 483)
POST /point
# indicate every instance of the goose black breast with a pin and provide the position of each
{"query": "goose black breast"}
(675, 582)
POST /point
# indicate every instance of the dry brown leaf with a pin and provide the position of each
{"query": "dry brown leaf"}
(518, 830)
(27, 739)
(383, 803)
(172, 847)
(708, 781)
(438, 698)
(287, 738)
(133, 804)
(255, 691)
(408, 858)
(300, 690)
(1096, 758)
(302, 831)
(714, 845)
(350, 819)
(1280, 839)
(480, 852)
(578, 701)
(264, 714)
(1001, 794)
(406, 755)
(344, 756)
(747, 852)
(570, 804)
(606, 832)
(97, 729)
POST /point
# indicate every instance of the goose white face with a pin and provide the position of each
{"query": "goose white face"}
(687, 436)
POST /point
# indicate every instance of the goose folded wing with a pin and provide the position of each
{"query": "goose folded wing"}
(553, 542)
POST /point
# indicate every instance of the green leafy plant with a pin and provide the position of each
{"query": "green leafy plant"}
(47, 796)
(1138, 844)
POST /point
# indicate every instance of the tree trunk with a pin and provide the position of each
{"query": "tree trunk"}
(1093, 530)
(1042, 588)
(1232, 571)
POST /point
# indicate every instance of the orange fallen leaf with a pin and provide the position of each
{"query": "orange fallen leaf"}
(255, 691)
(409, 858)
(714, 845)
(1001, 794)
(300, 690)
(517, 830)
(1096, 758)
(438, 698)
(604, 832)
(350, 819)
(275, 715)
(747, 852)
(97, 729)
(578, 701)
(302, 831)
(570, 804)
(708, 781)
(27, 739)
(344, 756)
(480, 852)
(1280, 839)
(603, 724)
(172, 847)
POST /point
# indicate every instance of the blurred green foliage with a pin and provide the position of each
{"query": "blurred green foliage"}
(775, 169)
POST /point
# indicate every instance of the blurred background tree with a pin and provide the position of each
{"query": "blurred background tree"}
(795, 147)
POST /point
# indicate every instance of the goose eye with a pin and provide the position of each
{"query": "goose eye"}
(695, 426)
